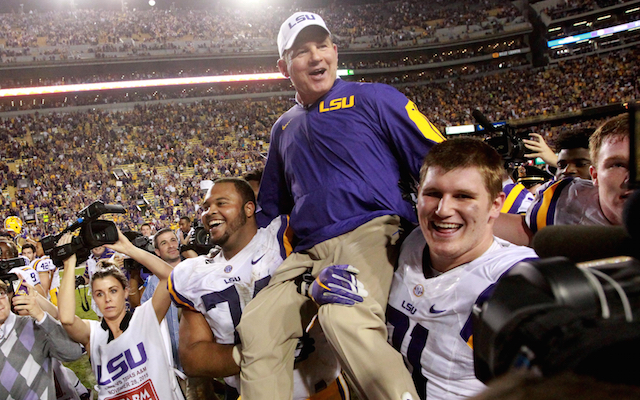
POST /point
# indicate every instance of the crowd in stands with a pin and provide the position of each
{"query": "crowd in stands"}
(67, 35)
(567, 8)
(68, 159)
(435, 56)
(509, 93)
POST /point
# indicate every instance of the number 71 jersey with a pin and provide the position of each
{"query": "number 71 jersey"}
(429, 317)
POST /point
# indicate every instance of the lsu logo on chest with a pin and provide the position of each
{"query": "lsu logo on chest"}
(337, 104)
(123, 362)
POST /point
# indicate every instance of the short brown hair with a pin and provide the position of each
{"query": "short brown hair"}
(616, 129)
(107, 268)
(160, 233)
(4, 286)
(466, 153)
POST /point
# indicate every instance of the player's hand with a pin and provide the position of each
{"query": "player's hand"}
(539, 148)
(337, 284)
(26, 303)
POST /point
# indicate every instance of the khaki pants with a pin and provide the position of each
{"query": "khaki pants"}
(272, 322)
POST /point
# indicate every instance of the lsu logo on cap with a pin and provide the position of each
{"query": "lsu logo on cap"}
(301, 18)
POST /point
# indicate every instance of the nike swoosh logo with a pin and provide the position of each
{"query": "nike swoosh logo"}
(433, 310)
(287, 124)
(254, 262)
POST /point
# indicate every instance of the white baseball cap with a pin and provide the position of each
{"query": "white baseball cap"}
(290, 29)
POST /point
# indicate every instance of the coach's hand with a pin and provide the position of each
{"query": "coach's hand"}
(337, 284)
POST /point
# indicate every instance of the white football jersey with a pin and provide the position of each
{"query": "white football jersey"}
(26, 274)
(429, 319)
(570, 201)
(45, 264)
(220, 289)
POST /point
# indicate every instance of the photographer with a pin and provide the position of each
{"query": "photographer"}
(9, 253)
(120, 332)
(28, 342)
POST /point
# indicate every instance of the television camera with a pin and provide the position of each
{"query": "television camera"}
(94, 232)
(141, 242)
(505, 139)
(576, 308)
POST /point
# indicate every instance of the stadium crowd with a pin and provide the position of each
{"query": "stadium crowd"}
(67, 35)
(78, 151)
(154, 159)
(435, 56)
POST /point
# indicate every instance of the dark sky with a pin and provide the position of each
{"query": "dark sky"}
(8, 6)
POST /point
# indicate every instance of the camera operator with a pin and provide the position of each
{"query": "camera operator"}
(575, 201)
(120, 331)
(9, 251)
(146, 230)
(99, 254)
(29, 276)
(28, 343)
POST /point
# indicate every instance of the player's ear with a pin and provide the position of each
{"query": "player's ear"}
(249, 208)
(594, 174)
(496, 205)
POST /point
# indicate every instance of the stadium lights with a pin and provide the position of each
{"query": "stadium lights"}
(86, 87)
(632, 10)
(595, 34)
(580, 23)
(557, 28)
(604, 17)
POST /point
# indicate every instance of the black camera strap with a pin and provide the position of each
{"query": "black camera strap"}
(84, 300)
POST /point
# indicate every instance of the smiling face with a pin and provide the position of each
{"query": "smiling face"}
(311, 64)
(110, 296)
(168, 247)
(611, 177)
(456, 215)
(226, 215)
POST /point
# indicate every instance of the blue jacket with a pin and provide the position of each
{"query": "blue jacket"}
(337, 164)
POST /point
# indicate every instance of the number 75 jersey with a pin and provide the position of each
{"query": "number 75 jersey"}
(429, 317)
(219, 289)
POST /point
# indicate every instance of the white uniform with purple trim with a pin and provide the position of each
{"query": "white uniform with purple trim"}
(429, 319)
(219, 289)
(570, 201)
(45, 264)
(26, 274)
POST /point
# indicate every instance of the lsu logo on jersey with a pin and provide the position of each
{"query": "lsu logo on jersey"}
(337, 104)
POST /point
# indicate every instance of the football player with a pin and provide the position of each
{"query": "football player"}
(213, 291)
